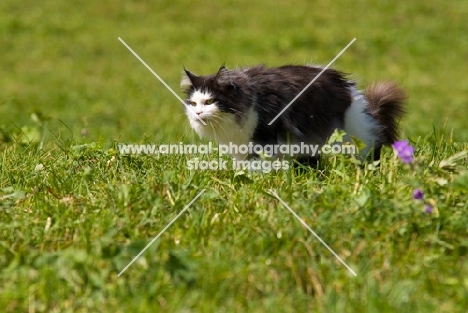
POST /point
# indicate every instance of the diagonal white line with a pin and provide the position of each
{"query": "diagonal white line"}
(162, 231)
(161, 80)
(312, 81)
(313, 233)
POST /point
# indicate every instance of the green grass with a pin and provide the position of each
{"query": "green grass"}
(74, 212)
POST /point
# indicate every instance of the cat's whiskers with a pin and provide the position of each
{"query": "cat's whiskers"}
(217, 120)
(222, 118)
(215, 128)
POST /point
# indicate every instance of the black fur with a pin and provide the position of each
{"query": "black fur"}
(312, 117)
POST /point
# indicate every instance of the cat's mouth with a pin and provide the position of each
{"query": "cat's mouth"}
(204, 117)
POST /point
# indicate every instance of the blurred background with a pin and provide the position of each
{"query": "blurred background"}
(63, 67)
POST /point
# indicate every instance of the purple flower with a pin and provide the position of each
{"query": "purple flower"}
(404, 151)
(428, 209)
(418, 194)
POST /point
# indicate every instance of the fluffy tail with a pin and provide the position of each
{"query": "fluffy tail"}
(386, 106)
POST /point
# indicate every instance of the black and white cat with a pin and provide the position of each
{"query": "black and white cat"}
(237, 106)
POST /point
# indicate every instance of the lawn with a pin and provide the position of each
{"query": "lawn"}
(74, 211)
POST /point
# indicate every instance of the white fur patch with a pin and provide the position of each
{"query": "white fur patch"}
(197, 107)
(200, 97)
(230, 131)
(360, 124)
(221, 127)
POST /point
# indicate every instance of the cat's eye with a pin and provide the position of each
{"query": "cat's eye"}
(209, 101)
(192, 103)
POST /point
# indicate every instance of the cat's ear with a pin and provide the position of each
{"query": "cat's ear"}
(230, 79)
(188, 79)
(222, 71)
(223, 77)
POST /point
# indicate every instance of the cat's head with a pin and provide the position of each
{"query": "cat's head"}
(217, 97)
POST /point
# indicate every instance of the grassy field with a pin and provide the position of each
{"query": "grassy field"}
(74, 211)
